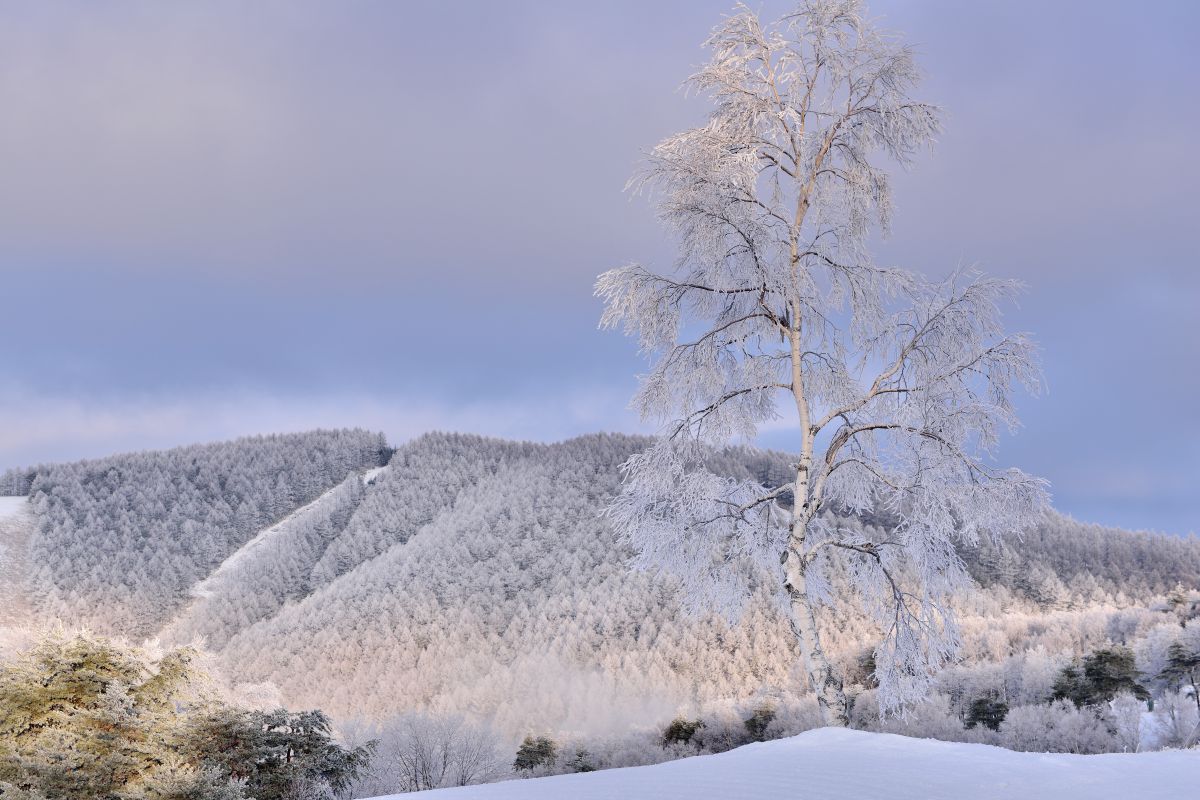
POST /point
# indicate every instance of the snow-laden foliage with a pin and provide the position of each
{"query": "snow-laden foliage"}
(420, 481)
(506, 596)
(898, 388)
(272, 569)
(86, 718)
(120, 540)
(500, 593)
(512, 601)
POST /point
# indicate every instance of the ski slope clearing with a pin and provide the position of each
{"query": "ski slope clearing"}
(370, 475)
(12, 506)
(832, 764)
(266, 572)
(16, 525)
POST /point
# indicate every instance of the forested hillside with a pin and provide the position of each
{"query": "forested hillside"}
(508, 596)
(119, 541)
(479, 577)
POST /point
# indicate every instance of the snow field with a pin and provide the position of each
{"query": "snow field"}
(16, 524)
(12, 506)
(834, 764)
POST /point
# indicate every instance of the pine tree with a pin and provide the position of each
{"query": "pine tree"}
(1102, 676)
(1183, 667)
(84, 718)
(535, 752)
(276, 752)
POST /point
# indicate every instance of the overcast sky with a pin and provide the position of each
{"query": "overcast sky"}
(230, 218)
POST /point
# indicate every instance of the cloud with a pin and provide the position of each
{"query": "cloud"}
(224, 218)
(39, 428)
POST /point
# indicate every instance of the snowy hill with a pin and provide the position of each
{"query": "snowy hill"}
(119, 542)
(831, 764)
(478, 577)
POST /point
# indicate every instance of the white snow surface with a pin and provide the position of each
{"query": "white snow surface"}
(834, 764)
(11, 506)
(16, 525)
(370, 475)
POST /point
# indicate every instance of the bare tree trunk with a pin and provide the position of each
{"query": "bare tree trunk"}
(826, 684)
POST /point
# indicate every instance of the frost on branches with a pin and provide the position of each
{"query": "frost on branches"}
(898, 387)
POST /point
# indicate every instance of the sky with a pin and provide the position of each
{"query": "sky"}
(226, 218)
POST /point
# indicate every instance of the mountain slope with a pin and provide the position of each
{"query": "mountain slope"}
(266, 572)
(832, 764)
(512, 601)
(121, 540)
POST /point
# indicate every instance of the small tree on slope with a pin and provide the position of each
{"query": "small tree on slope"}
(897, 387)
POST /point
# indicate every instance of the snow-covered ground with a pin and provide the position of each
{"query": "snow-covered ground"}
(370, 475)
(831, 764)
(16, 523)
(11, 506)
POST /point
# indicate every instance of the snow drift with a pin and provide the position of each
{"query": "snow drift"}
(833, 764)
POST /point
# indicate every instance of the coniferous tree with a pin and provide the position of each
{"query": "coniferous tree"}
(987, 711)
(1100, 677)
(535, 752)
(275, 753)
(1183, 668)
(82, 718)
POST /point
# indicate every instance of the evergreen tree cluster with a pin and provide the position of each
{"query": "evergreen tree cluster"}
(512, 599)
(273, 569)
(83, 718)
(1099, 678)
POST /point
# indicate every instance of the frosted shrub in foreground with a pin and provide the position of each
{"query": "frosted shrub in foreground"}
(897, 388)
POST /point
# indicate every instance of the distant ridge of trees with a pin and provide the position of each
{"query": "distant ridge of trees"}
(120, 540)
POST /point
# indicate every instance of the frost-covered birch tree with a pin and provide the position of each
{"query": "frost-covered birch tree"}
(896, 387)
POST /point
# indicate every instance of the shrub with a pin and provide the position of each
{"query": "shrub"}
(986, 711)
(534, 753)
(582, 761)
(1059, 727)
(681, 731)
(758, 722)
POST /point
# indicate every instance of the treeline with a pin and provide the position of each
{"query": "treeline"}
(16, 482)
(1129, 685)
(120, 540)
(1063, 561)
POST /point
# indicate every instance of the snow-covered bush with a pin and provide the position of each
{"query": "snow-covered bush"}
(415, 752)
(1058, 727)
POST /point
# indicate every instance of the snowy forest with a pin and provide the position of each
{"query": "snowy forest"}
(820, 533)
(471, 590)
